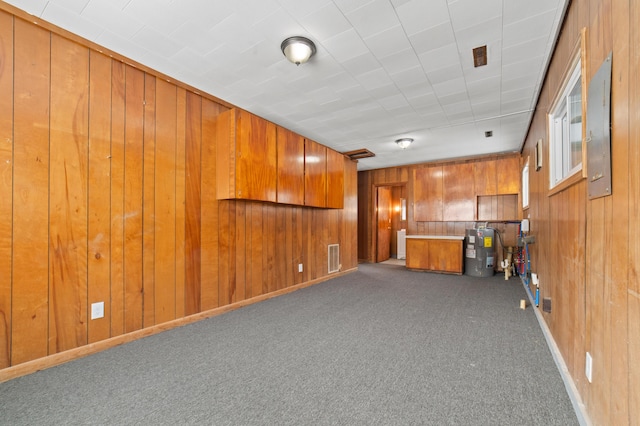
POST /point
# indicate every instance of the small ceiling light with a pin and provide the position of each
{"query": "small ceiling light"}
(298, 49)
(404, 142)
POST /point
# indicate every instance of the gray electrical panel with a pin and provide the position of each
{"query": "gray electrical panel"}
(599, 132)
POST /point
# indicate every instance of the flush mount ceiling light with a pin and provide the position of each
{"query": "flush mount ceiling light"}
(298, 49)
(404, 142)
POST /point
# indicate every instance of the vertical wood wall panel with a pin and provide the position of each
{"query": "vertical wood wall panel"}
(6, 183)
(180, 189)
(240, 252)
(149, 202)
(257, 247)
(117, 197)
(114, 197)
(633, 290)
(68, 142)
(193, 204)
(99, 201)
(209, 209)
(620, 235)
(165, 197)
(133, 193)
(30, 280)
(586, 251)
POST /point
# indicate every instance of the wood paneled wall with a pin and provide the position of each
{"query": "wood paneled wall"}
(108, 189)
(482, 170)
(586, 251)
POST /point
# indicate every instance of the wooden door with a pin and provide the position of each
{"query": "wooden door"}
(384, 223)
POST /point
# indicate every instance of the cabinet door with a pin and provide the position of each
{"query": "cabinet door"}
(245, 156)
(335, 179)
(508, 175)
(290, 167)
(485, 177)
(315, 174)
(459, 192)
(445, 256)
(427, 194)
(255, 158)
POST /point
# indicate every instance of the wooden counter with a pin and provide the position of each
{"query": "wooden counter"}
(436, 253)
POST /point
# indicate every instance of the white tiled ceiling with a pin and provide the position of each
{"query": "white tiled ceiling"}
(385, 69)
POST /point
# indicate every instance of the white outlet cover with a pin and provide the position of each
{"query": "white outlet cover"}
(97, 310)
(588, 367)
(299, 267)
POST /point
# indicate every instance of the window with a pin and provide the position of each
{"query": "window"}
(565, 129)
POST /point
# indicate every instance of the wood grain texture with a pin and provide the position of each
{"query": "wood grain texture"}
(133, 192)
(117, 197)
(165, 202)
(68, 142)
(633, 289)
(508, 175)
(99, 202)
(6, 183)
(428, 194)
(383, 208)
(256, 171)
(485, 177)
(193, 248)
(138, 156)
(619, 211)
(209, 241)
(435, 255)
(30, 280)
(458, 192)
(335, 179)
(290, 152)
(315, 174)
(149, 203)
(180, 203)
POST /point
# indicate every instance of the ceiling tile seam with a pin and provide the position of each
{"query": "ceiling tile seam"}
(375, 57)
(395, 11)
(460, 59)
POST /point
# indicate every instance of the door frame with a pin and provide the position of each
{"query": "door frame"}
(374, 217)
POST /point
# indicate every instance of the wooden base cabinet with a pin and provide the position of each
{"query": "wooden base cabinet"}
(435, 253)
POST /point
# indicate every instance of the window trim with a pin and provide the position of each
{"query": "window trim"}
(578, 56)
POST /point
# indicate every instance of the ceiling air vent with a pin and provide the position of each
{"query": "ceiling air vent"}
(480, 56)
(359, 153)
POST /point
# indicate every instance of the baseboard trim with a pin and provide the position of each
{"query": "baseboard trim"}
(572, 390)
(49, 361)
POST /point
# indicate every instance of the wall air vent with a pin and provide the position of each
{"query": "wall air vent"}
(359, 153)
(334, 258)
(480, 56)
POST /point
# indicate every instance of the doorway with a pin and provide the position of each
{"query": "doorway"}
(390, 217)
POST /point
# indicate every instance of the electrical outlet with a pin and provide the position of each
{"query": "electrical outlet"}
(588, 367)
(299, 267)
(97, 310)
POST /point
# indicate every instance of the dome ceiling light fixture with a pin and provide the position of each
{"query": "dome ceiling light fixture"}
(297, 49)
(404, 142)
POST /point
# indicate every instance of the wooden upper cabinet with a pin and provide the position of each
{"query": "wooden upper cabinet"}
(290, 167)
(427, 194)
(246, 156)
(508, 175)
(459, 197)
(485, 177)
(315, 174)
(335, 179)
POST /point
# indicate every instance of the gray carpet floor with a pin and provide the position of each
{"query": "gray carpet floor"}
(380, 346)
